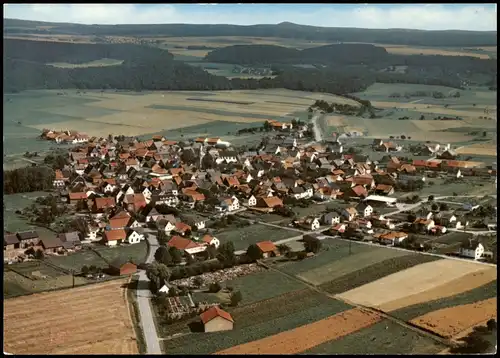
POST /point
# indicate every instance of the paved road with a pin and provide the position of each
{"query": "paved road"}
(144, 303)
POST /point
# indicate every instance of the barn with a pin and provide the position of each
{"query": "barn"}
(119, 267)
(214, 320)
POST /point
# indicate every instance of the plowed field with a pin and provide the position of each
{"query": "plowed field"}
(449, 322)
(305, 337)
(88, 320)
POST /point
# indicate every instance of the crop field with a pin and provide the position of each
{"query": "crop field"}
(409, 50)
(136, 252)
(449, 322)
(374, 272)
(70, 322)
(384, 337)
(248, 235)
(13, 202)
(77, 260)
(481, 293)
(35, 269)
(411, 281)
(260, 320)
(487, 149)
(307, 336)
(97, 63)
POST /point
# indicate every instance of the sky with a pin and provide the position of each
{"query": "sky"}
(477, 17)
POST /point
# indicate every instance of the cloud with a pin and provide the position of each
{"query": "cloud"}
(426, 17)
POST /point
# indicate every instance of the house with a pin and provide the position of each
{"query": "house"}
(448, 219)
(211, 240)
(27, 239)
(337, 229)
(134, 202)
(103, 204)
(195, 221)
(165, 288)
(51, 244)
(228, 204)
(331, 218)
(134, 237)
(472, 248)
(384, 189)
(349, 213)
(252, 201)
(310, 223)
(10, 242)
(153, 215)
(392, 238)
(114, 237)
(365, 209)
(74, 198)
(448, 155)
(119, 220)
(182, 228)
(70, 240)
(93, 232)
(268, 249)
(119, 267)
(215, 319)
(424, 224)
(269, 202)
(167, 224)
(357, 192)
(183, 244)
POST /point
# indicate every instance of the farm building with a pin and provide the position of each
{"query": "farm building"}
(268, 249)
(120, 267)
(10, 242)
(472, 249)
(380, 200)
(51, 244)
(214, 320)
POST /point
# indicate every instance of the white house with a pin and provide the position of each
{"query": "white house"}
(331, 218)
(349, 213)
(310, 223)
(211, 240)
(108, 188)
(167, 226)
(134, 237)
(252, 201)
(365, 209)
(393, 238)
(197, 221)
(473, 250)
(165, 289)
(147, 194)
(93, 233)
(229, 204)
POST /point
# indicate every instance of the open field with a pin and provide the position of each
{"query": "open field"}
(410, 281)
(97, 63)
(349, 264)
(489, 149)
(136, 252)
(244, 237)
(449, 322)
(384, 337)
(77, 260)
(375, 272)
(483, 292)
(308, 336)
(260, 320)
(70, 322)
(451, 288)
(407, 50)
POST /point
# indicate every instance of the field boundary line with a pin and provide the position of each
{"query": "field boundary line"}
(21, 274)
(54, 266)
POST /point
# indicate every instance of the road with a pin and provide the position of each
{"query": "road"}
(144, 303)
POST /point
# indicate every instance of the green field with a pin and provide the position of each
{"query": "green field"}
(263, 319)
(385, 337)
(244, 237)
(13, 202)
(77, 260)
(136, 252)
(477, 294)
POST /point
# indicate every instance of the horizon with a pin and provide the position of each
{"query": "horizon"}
(426, 17)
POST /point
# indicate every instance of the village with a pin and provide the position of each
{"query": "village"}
(177, 195)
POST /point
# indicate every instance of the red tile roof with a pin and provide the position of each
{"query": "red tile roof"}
(113, 235)
(181, 243)
(102, 203)
(266, 246)
(77, 196)
(214, 312)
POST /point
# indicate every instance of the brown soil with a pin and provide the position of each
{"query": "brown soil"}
(449, 322)
(305, 337)
(455, 287)
(92, 320)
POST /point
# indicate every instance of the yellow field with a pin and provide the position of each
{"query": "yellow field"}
(88, 320)
(406, 50)
(479, 149)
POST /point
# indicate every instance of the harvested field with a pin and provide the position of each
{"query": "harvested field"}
(385, 337)
(449, 322)
(320, 308)
(455, 287)
(348, 265)
(374, 272)
(335, 121)
(410, 281)
(305, 337)
(72, 321)
(405, 50)
(489, 149)
(477, 294)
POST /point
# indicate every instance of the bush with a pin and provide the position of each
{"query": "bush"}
(214, 287)
(301, 255)
(236, 298)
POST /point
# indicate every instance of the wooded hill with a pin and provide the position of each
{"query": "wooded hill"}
(286, 30)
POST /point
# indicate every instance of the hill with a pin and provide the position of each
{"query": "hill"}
(283, 30)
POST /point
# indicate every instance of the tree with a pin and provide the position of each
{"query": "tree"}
(198, 281)
(92, 269)
(254, 253)
(39, 254)
(443, 207)
(158, 274)
(214, 287)
(211, 251)
(301, 255)
(162, 237)
(189, 258)
(491, 324)
(175, 254)
(411, 217)
(284, 249)
(431, 198)
(422, 117)
(403, 137)
(312, 244)
(235, 298)
(226, 252)
(85, 270)
(434, 207)
(162, 255)
(267, 126)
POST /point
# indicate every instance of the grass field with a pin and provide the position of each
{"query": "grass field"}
(244, 237)
(105, 62)
(257, 321)
(70, 322)
(385, 337)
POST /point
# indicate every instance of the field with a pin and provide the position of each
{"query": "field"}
(13, 202)
(384, 337)
(175, 114)
(98, 63)
(307, 336)
(411, 281)
(244, 237)
(448, 322)
(487, 149)
(70, 322)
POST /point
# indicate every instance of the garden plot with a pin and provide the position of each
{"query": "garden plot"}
(136, 252)
(77, 260)
(305, 337)
(248, 235)
(409, 282)
(449, 322)
(454, 287)
(385, 337)
(221, 275)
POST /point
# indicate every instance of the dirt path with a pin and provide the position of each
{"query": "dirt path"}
(306, 337)
(449, 322)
